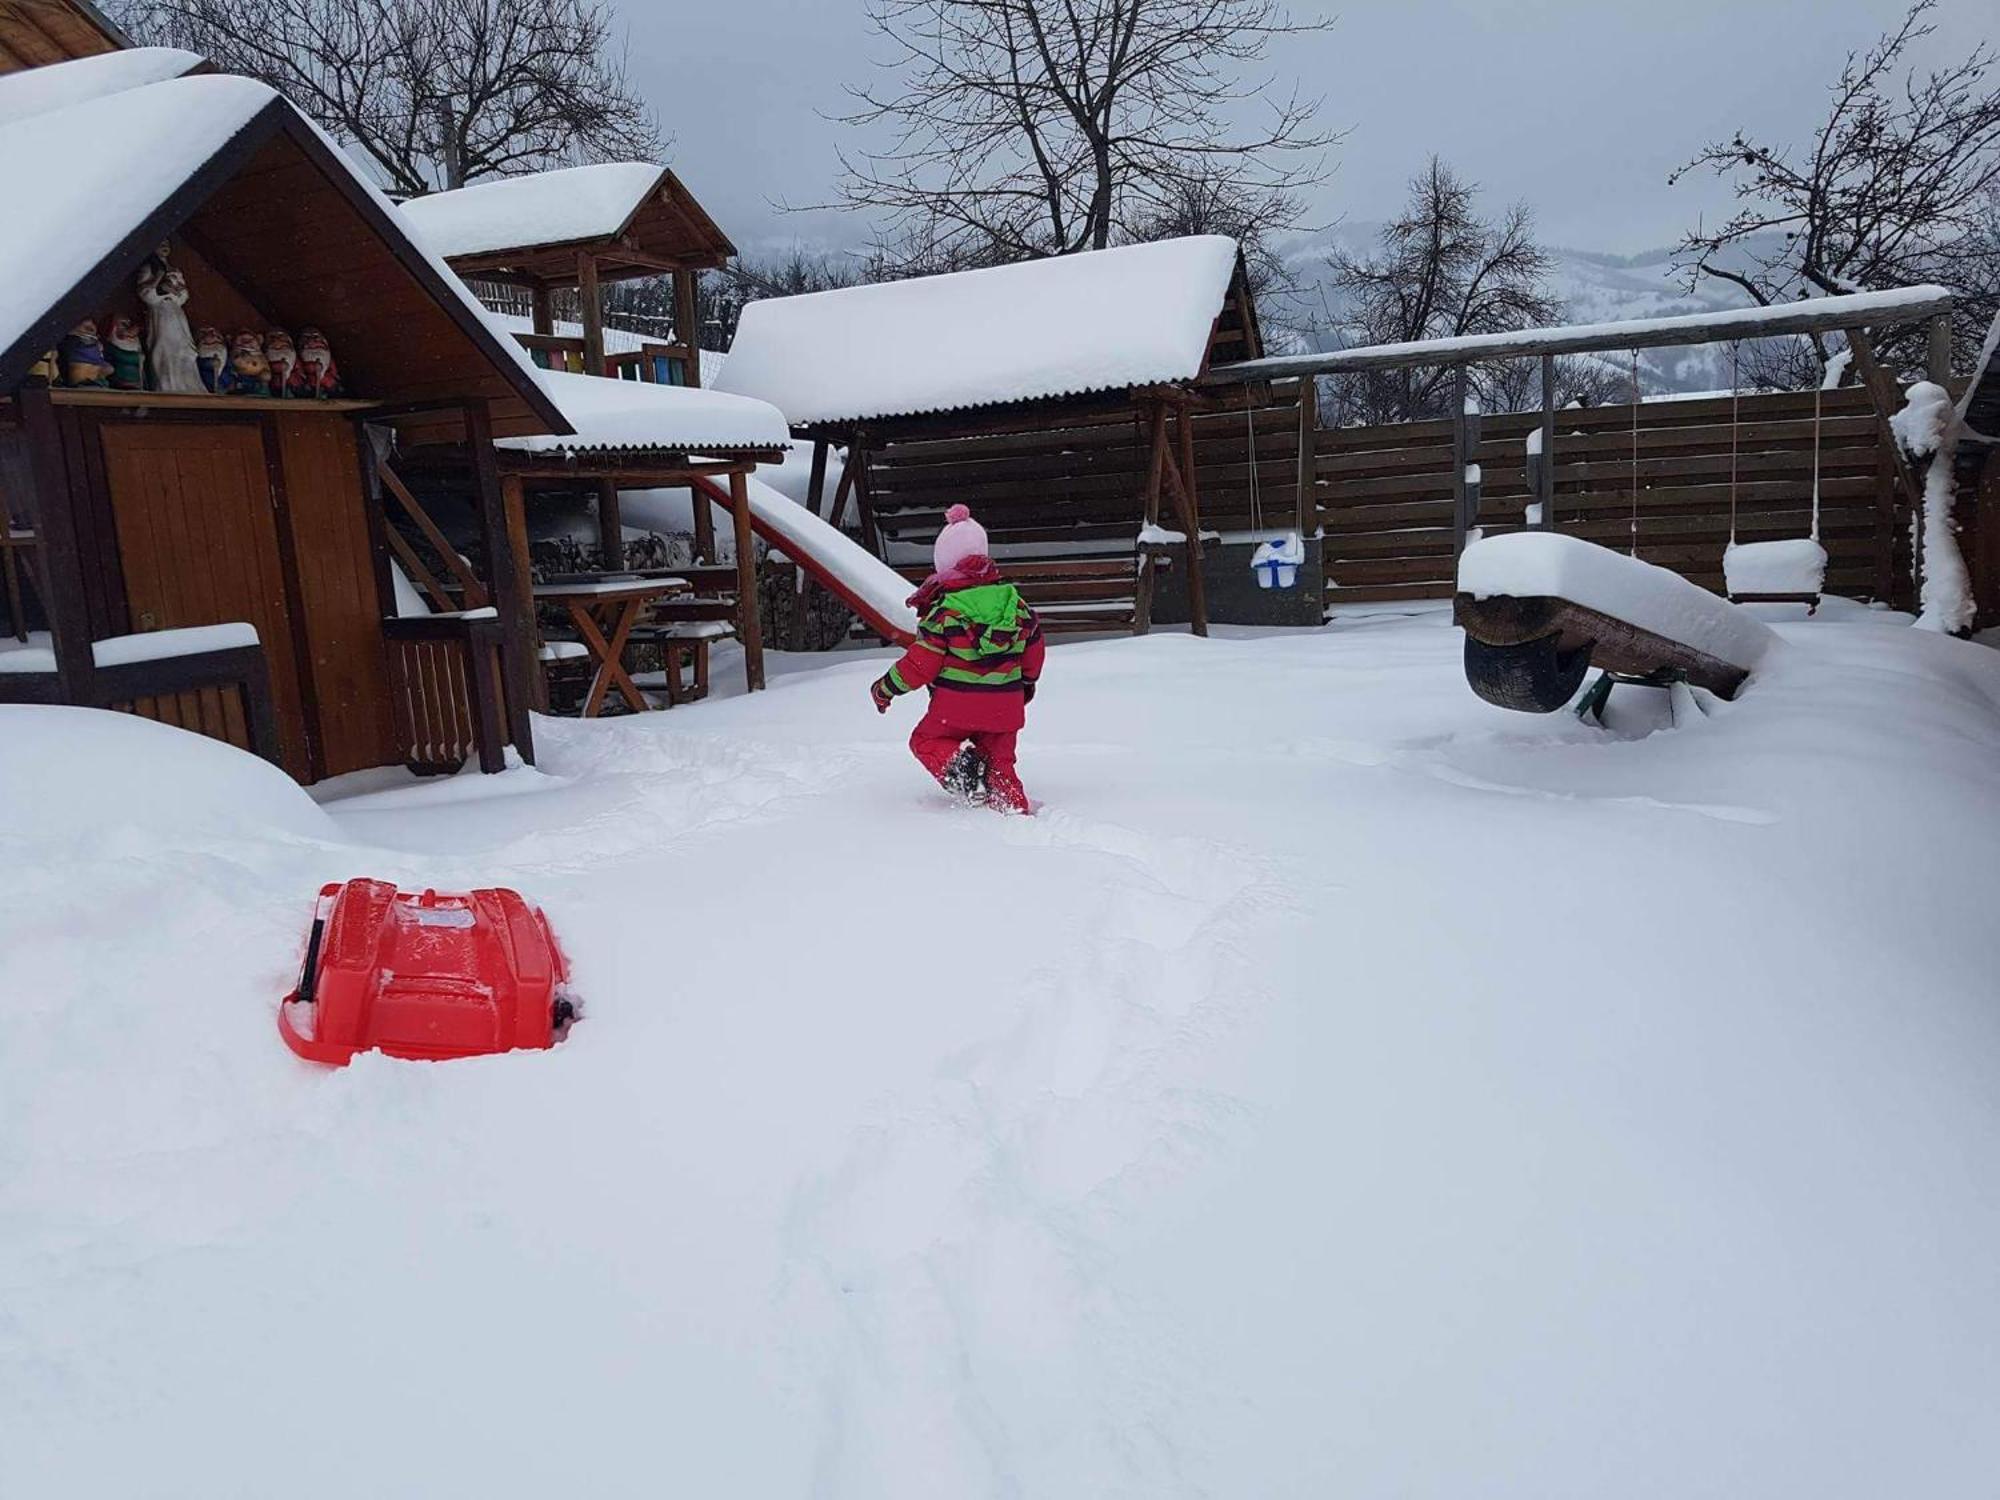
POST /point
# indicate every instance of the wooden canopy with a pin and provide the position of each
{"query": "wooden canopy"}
(275, 226)
(37, 32)
(665, 230)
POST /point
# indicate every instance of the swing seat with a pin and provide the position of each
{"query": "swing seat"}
(1784, 572)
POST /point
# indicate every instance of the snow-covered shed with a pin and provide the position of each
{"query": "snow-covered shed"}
(582, 228)
(1054, 396)
(211, 325)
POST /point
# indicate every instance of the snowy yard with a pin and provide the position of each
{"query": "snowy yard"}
(1343, 1087)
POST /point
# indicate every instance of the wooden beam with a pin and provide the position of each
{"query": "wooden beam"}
(1148, 561)
(468, 582)
(750, 627)
(684, 323)
(1307, 477)
(857, 465)
(543, 311)
(802, 583)
(1545, 472)
(503, 526)
(1464, 446)
(1882, 396)
(57, 546)
(1816, 315)
(1937, 361)
(591, 296)
(1191, 501)
(610, 526)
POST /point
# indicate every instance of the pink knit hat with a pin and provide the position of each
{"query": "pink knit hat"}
(961, 538)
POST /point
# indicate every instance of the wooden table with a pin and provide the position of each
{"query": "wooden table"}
(604, 610)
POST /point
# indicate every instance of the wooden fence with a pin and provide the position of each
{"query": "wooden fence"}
(1385, 494)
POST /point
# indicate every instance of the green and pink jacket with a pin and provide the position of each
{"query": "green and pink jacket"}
(978, 648)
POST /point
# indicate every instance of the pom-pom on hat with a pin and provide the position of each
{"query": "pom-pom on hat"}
(961, 538)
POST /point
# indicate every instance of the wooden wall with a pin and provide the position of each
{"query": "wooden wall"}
(1385, 493)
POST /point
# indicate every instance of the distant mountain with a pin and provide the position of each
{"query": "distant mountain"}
(1596, 286)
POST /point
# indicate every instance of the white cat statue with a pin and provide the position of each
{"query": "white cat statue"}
(170, 351)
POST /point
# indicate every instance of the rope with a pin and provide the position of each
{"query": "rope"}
(1819, 392)
(1635, 452)
(1256, 495)
(1736, 431)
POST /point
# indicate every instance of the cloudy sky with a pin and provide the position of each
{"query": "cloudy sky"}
(1579, 106)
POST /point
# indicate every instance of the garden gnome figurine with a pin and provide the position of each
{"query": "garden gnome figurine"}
(127, 355)
(287, 377)
(249, 371)
(170, 341)
(211, 356)
(82, 356)
(316, 357)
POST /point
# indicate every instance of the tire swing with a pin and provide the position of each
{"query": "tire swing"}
(1788, 571)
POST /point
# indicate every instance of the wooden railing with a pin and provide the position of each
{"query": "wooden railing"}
(224, 694)
(448, 688)
(652, 364)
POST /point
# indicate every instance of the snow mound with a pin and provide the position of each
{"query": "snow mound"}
(1796, 565)
(547, 208)
(73, 773)
(629, 414)
(35, 91)
(1537, 564)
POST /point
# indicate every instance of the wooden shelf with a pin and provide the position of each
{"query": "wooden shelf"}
(173, 401)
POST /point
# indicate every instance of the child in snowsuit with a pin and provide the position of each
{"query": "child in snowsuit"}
(979, 650)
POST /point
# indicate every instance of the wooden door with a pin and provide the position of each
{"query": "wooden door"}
(198, 545)
(339, 598)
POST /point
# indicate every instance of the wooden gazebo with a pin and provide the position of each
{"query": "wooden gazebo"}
(166, 524)
(582, 229)
(1056, 397)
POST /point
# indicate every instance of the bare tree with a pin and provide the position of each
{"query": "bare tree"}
(1893, 188)
(1441, 270)
(1020, 128)
(435, 93)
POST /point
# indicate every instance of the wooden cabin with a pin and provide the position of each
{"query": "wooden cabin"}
(160, 526)
(36, 33)
(1055, 397)
(581, 229)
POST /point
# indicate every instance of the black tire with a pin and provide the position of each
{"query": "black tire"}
(1531, 678)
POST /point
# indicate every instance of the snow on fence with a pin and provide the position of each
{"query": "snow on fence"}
(1385, 493)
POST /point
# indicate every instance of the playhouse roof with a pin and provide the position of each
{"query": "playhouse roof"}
(1067, 326)
(627, 416)
(98, 183)
(35, 91)
(636, 216)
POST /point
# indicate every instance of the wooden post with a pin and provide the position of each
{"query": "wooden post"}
(1882, 395)
(864, 503)
(704, 524)
(610, 526)
(1148, 559)
(684, 323)
(749, 625)
(801, 584)
(1937, 363)
(1308, 475)
(1464, 449)
(544, 315)
(1191, 503)
(842, 490)
(55, 540)
(503, 529)
(589, 294)
(1545, 474)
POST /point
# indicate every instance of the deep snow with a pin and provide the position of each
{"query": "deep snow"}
(1342, 1088)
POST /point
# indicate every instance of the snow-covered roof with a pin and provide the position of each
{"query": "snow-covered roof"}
(629, 415)
(548, 208)
(85, 177)
(100, 169)
(1101, 320)
(34, 91)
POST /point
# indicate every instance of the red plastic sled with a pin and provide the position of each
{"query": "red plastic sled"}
(424, 975)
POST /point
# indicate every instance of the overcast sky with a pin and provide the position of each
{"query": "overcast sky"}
(1579, 106)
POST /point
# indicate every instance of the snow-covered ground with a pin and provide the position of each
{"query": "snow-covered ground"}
(1343, 1087)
